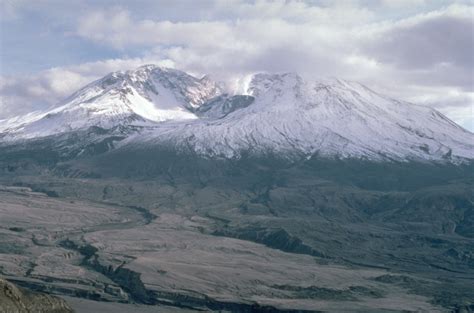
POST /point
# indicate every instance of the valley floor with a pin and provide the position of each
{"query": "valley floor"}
(105, 246)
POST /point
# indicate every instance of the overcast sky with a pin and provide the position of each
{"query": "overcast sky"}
(415, 50)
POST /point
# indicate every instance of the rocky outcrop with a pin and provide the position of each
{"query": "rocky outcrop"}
(16, 300)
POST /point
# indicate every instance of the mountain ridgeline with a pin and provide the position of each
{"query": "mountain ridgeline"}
(159, 121)
(279, 114)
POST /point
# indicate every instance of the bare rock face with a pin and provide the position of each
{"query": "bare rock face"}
(16, 300)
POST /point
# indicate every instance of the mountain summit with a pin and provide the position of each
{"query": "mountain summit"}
(143, 96)
(271, 113)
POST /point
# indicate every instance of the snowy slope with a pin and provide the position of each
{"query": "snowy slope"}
(140, 97)
(280, 113)
(330, 118)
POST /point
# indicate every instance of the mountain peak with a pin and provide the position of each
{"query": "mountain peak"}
(148, 94)
(277, 112)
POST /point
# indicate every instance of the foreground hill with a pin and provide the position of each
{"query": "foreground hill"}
(15, 300)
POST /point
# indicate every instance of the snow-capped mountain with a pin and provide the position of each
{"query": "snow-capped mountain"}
(278, 113)
(143, 96)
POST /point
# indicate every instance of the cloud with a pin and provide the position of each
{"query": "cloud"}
(20, 95)
(431, 42)
(403, 3)
(435, 48)
(408, 53)
(116, 28)
(278, 41)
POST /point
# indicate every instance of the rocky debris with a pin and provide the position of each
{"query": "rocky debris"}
(16, 300)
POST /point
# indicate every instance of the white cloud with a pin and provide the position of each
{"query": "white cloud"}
(411, 57)
(396, 4)
(327, 37)
(116, 28)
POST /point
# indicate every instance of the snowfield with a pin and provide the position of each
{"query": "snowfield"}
(280, 113)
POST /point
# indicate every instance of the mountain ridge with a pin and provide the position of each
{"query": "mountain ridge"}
(281, 113)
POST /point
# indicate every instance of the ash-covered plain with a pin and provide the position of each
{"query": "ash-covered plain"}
(274, 240)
